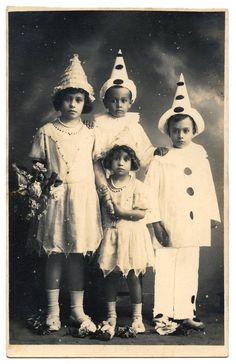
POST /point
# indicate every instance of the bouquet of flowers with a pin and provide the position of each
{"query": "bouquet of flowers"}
(34, 191)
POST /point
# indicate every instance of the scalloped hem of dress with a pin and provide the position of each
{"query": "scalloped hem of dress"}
(39, 248)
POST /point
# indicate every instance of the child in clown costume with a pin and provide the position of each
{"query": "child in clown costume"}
(118, 126)
(71, 227)
(184, 203)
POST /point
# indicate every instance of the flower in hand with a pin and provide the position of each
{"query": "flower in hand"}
(34, 190)
(161, 233)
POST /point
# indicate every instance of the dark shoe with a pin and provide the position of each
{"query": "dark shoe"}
(194, 323)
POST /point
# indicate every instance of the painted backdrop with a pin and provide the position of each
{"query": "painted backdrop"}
(157, 46)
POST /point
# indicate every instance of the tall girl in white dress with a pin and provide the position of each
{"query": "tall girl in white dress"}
(71, 227)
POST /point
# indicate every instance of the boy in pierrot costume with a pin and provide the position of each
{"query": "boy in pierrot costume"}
(118, 126)
(184, 204)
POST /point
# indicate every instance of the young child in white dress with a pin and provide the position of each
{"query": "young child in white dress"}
(71, 227)
(126, 247)
(118, 126)
(184, 203)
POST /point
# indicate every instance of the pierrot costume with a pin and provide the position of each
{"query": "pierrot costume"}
(125, 130)
(184, 199)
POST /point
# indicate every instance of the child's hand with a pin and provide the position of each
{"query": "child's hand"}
(161, 151)
(161, 234)
(118, 210)
(109, 207)
(89, 123)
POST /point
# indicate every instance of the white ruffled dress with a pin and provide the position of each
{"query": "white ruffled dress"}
(126, 244)
(72, 223)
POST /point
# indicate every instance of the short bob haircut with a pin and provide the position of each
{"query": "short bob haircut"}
(179, 117)
(116, 152)
(60, 95)
(109, 90)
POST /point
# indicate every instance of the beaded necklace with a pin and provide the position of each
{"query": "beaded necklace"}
(68, 127)
(113, 187)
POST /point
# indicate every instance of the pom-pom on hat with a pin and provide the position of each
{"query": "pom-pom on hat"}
(119, 77)
(181, 105)
(75, 77)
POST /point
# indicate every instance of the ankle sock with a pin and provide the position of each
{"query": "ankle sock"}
(137, 310)
(111, 313)
(53, 302)
(76, 305)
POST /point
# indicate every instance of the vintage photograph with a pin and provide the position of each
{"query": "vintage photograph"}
(117, 139)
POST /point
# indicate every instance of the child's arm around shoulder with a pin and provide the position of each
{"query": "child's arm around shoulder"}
(160, 151)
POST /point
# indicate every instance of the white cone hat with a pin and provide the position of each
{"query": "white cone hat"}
(75, 77)
(119, 77)
(181, 105)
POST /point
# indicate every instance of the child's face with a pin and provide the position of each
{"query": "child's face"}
(118, 101)
(72, 106)
(181, 132)
(121, 164)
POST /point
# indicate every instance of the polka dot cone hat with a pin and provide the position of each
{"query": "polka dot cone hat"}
(119, 77)
(181, 105)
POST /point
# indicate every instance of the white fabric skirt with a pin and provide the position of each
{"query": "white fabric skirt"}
(72, 224)
(125, 247)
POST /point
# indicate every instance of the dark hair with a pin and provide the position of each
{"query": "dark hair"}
(60, 95)
(179, 117)
(109, 90)
(116, 151)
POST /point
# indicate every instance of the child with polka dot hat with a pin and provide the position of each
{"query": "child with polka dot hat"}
(184, 203)
(119, 126)
(71, 227)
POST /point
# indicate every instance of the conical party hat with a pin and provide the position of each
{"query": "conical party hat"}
(75, 77)
(119, 77)
(181, 105)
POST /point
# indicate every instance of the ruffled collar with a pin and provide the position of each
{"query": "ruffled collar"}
(130, 117)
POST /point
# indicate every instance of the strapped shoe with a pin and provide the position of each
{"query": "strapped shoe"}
(106, 330)
(53, 323)
(86, 325)
(137, 325)
(164, 325)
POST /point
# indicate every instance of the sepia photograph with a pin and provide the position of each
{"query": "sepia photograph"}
(117, 182)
